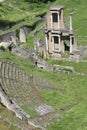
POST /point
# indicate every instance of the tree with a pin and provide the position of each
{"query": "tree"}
(36, 1)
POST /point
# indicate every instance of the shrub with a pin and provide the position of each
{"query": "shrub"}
(44, 1)
(2, 48)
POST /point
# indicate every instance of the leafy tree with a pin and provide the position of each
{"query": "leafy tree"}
(36, 1)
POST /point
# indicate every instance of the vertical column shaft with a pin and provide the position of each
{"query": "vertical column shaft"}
(51, 21)
(53, 43)
(46, 42)
(58, 21)
(59, 41)
(70, 22)
(70, 44)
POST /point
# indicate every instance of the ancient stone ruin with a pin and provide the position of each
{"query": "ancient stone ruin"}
(12, 38)
(19, 91)
(2, 0)
(23, 31)
(59, 38)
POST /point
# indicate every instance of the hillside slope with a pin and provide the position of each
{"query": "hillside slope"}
(26, 13)
(68, 94)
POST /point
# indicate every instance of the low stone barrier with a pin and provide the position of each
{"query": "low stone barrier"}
(65, 69)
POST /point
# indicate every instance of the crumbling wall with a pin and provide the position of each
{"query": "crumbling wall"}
(65, 69)
(15, 36)
(9, 104)
(7, 36)
(23, 32)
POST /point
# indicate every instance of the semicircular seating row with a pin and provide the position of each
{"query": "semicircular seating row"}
(21, 88)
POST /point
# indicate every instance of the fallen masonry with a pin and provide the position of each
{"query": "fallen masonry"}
(66, 69)
(43, 109)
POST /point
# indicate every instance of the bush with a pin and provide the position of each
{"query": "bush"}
(44, 1)
(17, 32)
(2, 48)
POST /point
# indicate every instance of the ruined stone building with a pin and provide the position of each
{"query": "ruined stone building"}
(58, 37)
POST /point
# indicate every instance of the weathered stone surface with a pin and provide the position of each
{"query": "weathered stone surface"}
(57, 36)
(66, 69)
(43, 109)
(7, 36)
(12, 106)
(14, 40)
(82, 51)
(36, 125)
(75, 57)
(22, 35)
(23, 93)
(2, 0)
(5, 44)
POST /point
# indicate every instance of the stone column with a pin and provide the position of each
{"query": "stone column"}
(59, 41)
(70, 22)
(22, 35)
(46, 42)
(58, 21)
(53, 43)
(70, 44)
(51, 21)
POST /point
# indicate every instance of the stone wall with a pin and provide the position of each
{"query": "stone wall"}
(16, 35)
(2, 0)
(7, 36)
(82, 51)
(23, 32)
(65, 69)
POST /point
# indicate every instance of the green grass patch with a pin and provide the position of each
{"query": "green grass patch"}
(69, 96)
(31, 112)
(68, 100)
(18, 61)
(79, 67)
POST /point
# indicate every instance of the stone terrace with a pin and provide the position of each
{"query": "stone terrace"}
(25, 91)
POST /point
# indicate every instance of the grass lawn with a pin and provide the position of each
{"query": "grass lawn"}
(78, 66)
(69, 100)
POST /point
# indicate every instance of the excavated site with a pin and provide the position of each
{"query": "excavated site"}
(20, 93)
(46, 40)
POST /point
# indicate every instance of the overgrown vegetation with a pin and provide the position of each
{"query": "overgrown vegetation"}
(26, 13)
(78, 66)
(2, 48)
(18, 61)
(44, 1)
(7, 120)
(70, 97)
